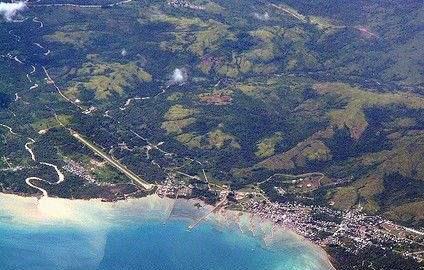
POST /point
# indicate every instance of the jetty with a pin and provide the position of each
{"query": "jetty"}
(216, 208)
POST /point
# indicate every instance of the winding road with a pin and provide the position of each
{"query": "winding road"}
(135, 178)
(9, 128)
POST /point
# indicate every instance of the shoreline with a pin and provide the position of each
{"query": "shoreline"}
(278, 227)
(31, 210)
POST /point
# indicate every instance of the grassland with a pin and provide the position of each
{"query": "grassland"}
(105, 79)
(303, 89)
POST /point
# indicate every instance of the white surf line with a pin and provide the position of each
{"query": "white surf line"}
(36, 20)
(31, 141)
(9, 128)
(28, 182)
(59, 173)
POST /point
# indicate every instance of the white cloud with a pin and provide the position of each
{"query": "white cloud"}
(178, 75)
(9, 10)
(264, 17)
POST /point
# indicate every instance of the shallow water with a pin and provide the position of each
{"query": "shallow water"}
(143, 234)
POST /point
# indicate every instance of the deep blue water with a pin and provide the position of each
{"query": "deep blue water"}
(148, 245)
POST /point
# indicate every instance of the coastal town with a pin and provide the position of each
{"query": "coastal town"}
(299, 115)
(351, 230)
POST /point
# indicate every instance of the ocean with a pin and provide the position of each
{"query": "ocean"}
(144, 234)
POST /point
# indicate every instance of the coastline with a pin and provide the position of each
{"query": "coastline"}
(259, 226)
(30, 211)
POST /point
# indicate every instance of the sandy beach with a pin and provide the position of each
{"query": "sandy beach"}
(95, 215)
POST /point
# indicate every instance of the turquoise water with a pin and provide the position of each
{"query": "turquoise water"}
(145, 244)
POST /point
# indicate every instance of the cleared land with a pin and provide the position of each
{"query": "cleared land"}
(135, 178)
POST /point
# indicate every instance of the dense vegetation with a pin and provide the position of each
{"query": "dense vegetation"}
(300, 86)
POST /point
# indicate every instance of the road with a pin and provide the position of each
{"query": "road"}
(79, 6)
(9, 128)
(321, 175)
(135, 178)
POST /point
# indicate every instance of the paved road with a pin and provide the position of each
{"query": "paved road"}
(135, 178)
